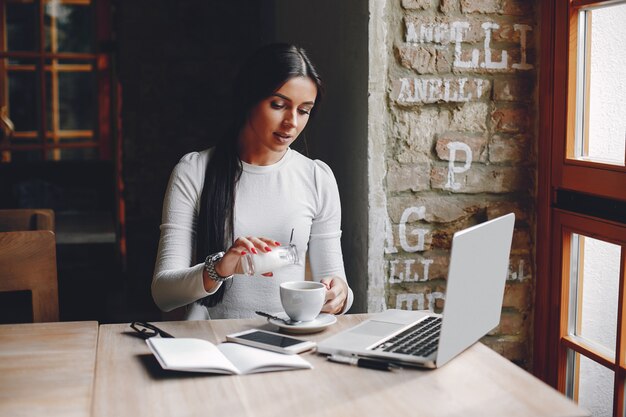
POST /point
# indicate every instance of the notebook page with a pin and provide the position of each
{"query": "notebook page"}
(249, 359)
(186, 354)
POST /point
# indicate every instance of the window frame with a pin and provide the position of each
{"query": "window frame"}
(45, 63)
(585, 176)
(108, 123)
(565, 224)
(557, 173)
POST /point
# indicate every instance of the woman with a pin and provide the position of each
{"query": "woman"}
(246, 195)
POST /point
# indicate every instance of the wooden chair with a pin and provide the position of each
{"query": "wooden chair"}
(14, 220)
(28, 262)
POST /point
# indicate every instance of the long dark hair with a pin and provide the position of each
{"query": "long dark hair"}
(261, 75)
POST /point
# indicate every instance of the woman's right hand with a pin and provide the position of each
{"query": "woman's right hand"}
(230, 263)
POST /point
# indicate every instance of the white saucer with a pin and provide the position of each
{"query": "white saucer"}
(317, 325)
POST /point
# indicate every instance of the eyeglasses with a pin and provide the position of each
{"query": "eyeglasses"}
(148, 330)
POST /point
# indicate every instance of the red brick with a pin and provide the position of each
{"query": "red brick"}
(449, 6)
(517, 7)
(470, 117)
(521, 241)
(445, 58)
(511, 324)
(500, 208)
(438, 269)
(441, 239)
(480, 6)
(507, 33)
(510, 149)
(408, 177)
(510, 120)
(517, 295)
(442, 208)
(422, 59)
(477, 142)
(514, 348)
(512, 89)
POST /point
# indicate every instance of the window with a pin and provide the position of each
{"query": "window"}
(580, 322)
(54, 82)
(60, 101)
(600, 110)
(591, 343)
(589, 153)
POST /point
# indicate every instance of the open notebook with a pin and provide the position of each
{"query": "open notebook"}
(198, 355)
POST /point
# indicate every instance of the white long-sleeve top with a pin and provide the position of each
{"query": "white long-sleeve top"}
(296, 192)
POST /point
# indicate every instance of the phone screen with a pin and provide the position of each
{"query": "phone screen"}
(270, 339)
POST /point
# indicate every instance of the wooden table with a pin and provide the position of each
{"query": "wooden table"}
(47, 369)
(129, 382)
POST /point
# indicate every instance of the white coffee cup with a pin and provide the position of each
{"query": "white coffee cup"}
(302, 300)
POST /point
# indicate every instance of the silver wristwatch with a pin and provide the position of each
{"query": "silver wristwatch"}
(209, 266)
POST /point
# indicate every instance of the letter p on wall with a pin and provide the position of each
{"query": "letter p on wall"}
(452, 168)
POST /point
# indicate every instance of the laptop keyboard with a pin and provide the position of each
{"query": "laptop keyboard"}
(419, 340)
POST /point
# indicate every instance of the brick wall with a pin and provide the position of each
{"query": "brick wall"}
(458, 149)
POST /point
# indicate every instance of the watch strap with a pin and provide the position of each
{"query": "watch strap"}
(209, 266)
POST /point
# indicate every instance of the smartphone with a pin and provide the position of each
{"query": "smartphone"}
(271, 341)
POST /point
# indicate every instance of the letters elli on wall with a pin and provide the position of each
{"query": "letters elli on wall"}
(474, 77)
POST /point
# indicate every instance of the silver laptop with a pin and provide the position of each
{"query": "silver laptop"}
(475, 289)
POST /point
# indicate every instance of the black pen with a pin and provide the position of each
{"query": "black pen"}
(364, 362)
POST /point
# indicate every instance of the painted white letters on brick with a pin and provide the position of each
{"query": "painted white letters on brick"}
(458, 29)
(420, 233)
(408, 300)
(519, 274)
(489, 64)
(456, 32)
(452, 168)
(433, 90)
(409, 272)
(389, 246)
(522, 65)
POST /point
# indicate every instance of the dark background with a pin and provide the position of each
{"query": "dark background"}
(175, 63)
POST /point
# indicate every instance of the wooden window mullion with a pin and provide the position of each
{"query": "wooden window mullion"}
(4, 99)
(580, 283)
(5, 155)
(587, 88)
(580, 346)
(562, 271)
(621, 320)
(620, 359)
(42, 81)
(592, 3)
(54, 89)
(618, 399)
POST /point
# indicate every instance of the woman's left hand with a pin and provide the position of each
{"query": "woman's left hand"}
(336, 295)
